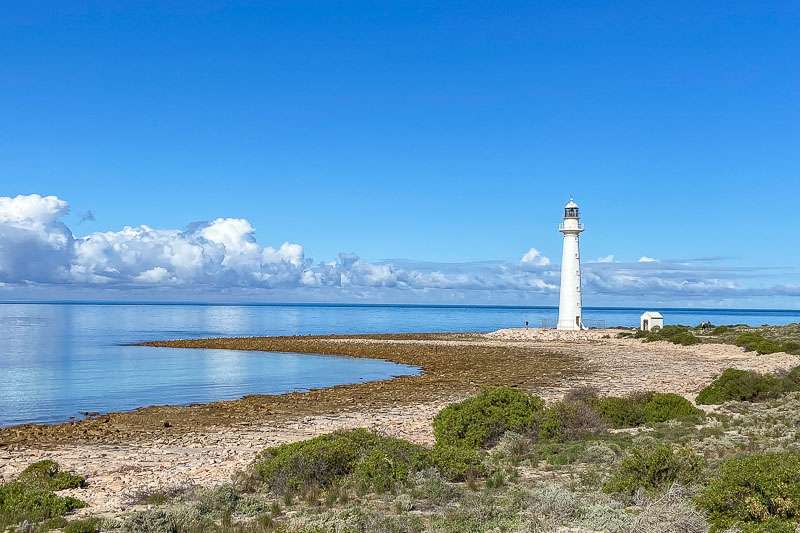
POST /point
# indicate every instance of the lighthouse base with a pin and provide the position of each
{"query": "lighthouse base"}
(571, 325)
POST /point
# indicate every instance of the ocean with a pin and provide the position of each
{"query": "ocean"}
(59, 360)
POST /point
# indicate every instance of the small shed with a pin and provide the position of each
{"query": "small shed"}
(651, 320)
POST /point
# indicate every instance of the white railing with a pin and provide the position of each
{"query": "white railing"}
(578, 227)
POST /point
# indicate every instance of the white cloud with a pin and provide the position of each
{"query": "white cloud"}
(222, 252)
(154, 275)
(223, 255)
(34, 244)
(534, 257)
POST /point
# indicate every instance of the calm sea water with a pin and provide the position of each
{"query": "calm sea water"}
(59, 360)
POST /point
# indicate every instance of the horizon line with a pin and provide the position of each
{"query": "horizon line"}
(408, 305)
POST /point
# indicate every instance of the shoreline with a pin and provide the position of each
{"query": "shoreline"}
(438, 356)
(123, 454)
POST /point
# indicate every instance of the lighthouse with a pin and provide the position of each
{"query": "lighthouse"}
(569, 305)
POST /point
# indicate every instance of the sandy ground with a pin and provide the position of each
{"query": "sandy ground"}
(211, 456)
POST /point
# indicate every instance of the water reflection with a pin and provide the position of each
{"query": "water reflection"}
(57, 360)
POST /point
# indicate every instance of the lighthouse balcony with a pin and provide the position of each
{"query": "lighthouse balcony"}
(570, 227)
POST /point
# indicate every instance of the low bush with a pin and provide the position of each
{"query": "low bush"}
(655, 467)
(86, 525)
(479, 421)
(792, 378)
(667, 406)
(674, 334)
(748, 340)
(20, 501)
(623, 412)
(390, 462)
(670, 512)
(791, 347)
(720, 330)
(512, 448)
(570, 420)
(457, 463)
(584, 393)
(743, 385)
(47, 475)
(757, 492)
(431, 486)
(753, 341)
(314, 463)
(151, 521)
(768, 346)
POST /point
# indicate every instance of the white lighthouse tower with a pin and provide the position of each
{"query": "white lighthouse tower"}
(569, 305)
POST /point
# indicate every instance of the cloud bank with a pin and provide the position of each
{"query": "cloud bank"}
(38, 249)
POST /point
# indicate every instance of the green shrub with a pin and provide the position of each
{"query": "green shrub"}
(20, 501)
(655, 467)
(318, 462)
(792, 379)
(151, 521)
(719, 330)
(640, 408)
(791, 347)
(570, 420)
(685, 338)
(761, 490)
(392, 461)
(674, 334)
(755, 342)
(47, 475)
(87, 525)
(479, 421)
(768, 346)
(218, 501)
(743, 385)
(623, 412)
(457, 463)
(667, 406)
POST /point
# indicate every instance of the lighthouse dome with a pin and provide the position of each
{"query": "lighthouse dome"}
(571, 209)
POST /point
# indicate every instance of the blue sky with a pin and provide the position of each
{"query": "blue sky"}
(426, 136)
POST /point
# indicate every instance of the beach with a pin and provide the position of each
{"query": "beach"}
(124, 454)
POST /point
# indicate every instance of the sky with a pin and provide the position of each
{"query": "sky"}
(408, 152)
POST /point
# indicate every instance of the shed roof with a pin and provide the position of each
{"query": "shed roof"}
(651, 314)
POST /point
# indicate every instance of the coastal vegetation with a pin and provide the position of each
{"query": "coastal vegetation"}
(762, 340)
(503, 460)
(31, 498)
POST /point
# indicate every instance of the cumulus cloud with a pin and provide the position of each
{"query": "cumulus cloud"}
(535, 258)
(222, 252)
(34, 244)
(36, 247)
(223, 255)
